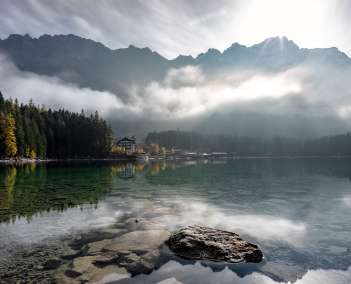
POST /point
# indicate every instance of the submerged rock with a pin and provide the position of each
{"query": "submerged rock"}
(69, 253)
(129, 254)
(201, 243)
(138, 224)
(138, 241)
(52, 263)
(94, 236)
(84, 269)
(97, 247)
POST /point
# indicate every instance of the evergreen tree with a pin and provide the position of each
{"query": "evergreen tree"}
(2, 134)
(19, 130)
(2, 102)
(10, 137)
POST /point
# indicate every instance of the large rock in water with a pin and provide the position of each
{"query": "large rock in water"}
(201, 243)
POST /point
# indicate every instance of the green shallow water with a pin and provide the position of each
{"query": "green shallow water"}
(297, 211)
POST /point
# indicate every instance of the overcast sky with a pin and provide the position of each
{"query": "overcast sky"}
(174, 27)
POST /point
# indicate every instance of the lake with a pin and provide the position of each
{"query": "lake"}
(297, 210)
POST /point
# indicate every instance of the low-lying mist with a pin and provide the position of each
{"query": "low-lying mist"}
(308, 100)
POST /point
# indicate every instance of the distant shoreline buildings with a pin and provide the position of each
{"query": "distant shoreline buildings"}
(128, 147)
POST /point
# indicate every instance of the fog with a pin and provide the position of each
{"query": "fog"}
(188, 92)
(304, 101)
(53, 92)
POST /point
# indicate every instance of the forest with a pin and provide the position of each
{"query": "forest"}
(338, 145)
(30, 131)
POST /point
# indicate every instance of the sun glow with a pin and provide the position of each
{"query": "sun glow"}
(306, 22)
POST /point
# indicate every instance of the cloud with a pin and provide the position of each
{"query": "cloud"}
(185, 92)
(306, 90)
(189, 96)
(53, 92)
(184, 77)
(165, 26)
(189, 92)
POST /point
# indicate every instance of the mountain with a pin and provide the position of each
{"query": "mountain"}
(91, 64)
(84, 62)
(273, 54)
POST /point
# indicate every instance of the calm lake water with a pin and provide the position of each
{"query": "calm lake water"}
(297, 211)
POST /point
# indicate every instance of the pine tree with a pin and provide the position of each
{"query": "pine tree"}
(2, 102)
(2, 134)
(10, 137)
(29, 137)
(19, 130)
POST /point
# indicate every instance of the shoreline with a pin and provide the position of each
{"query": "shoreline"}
(23, 161)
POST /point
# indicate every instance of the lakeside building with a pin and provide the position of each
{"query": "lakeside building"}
(142, 148)
(128, 144)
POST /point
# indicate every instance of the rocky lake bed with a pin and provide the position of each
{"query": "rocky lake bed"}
(128, 248)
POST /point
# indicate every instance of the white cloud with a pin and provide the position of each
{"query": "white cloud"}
(304, 90)
(186, 76)
(185, 92)
(191, 94)
(54, 93)
(188, 92)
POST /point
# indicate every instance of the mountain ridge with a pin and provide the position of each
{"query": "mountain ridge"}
(283, 40)
(91, 64)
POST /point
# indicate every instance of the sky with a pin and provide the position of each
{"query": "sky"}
(183, 27)
(315, 97)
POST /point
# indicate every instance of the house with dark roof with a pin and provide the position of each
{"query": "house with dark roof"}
(128, 144)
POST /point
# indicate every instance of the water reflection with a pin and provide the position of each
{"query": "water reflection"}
(175, 273)
(29, 189)
(298, 211)
(6, 195)
(256, 226)
(347, 200)
(124, 170)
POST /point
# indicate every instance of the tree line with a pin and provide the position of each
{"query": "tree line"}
(240, 145)
(30, 131)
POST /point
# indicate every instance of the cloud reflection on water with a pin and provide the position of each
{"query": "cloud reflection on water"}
(263, 227)
(197, 273)
(56, 224)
